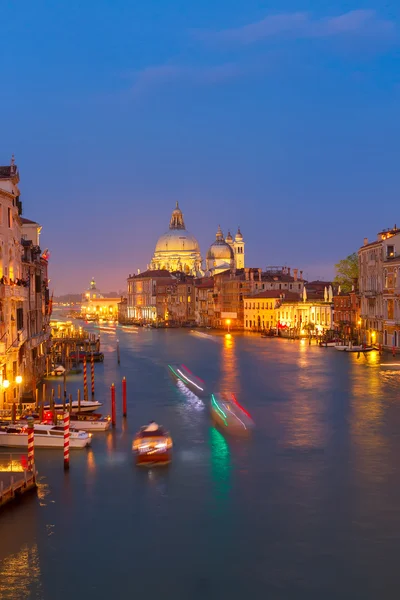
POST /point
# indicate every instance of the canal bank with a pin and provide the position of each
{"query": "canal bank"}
(306, 507)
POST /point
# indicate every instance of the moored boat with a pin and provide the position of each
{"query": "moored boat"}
(81, 421)
(46, 436)
(229, 415)
(152, 445)
(193, 383)
(359, 349)
(87, 406)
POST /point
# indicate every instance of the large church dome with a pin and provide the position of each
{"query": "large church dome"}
(177, 249)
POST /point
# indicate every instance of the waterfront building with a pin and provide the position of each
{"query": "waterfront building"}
(379, 284)
(148, 295)
(177, 249)
(25, 306)
(204, 302)
(95, 306)
(285, 310)
(347, 315)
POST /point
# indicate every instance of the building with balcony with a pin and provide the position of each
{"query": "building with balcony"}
(379, 264)
(25, 305)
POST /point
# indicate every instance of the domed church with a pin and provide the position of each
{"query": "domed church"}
(177, 249)
(226, 253)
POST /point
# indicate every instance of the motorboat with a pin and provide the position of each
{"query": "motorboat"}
(329, 343)
(193, 383)
(90, 422)
(46, 436)
(87, 406)
(152, 445)
(229, 415)
(341, 347)
(360, 349)
(81, 421)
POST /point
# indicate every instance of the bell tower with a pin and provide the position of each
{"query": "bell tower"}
(238, 246)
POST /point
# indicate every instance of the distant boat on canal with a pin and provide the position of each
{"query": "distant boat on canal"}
(189, 379)
(229, 415)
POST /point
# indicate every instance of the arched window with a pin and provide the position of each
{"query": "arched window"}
(386, 278)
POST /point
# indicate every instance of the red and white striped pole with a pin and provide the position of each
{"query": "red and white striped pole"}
(31, 445)
(85, 390)
(66, 441)
(92, 372)
(124, 396)
(113, 416)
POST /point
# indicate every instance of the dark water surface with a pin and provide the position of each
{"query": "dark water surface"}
(309, 507)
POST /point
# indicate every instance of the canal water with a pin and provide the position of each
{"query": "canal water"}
(307, 508)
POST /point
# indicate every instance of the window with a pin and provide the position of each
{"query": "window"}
(1, 214)
(189, 299)
(9, 214)
(20, 318)
(299, 286)
(188, 289)
(290, 286)
(390, 253)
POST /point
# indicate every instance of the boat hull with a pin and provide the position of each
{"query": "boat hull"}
(20, 440)
(84, 425)
(85, 406)
(161, 458)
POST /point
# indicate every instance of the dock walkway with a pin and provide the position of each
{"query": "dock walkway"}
(14, 481)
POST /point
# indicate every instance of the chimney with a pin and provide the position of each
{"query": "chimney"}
(247, 273)
(288, 271)
(301, 275)
(295, 271)
(259, 274)
(365, 241)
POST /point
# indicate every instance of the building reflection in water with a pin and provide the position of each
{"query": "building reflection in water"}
(369, 437)
(305, 417)
(229, 380)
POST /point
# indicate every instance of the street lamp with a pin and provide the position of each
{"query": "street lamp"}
(228, 322)
(6, 384)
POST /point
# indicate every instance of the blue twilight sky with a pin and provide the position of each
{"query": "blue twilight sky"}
(282, 117)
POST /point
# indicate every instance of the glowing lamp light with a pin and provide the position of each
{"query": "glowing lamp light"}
(228, 321)
(18, 379)
(6, 383)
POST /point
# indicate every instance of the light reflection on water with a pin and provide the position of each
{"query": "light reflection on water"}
(305, 508)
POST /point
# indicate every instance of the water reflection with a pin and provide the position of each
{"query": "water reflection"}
(20, 575)
(220, 463)
(229, 380)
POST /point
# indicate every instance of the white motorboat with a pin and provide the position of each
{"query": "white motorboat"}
(359, 349)
(87, 406)
(229, 415)
(341, 348)
(390, 366)
(90, 422)
(46, 436)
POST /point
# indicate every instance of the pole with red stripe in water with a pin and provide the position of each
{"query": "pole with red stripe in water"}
(92, 372)
(66, 441)
(31, 444)
(113, 416)
(124, 396)
(85, 389)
